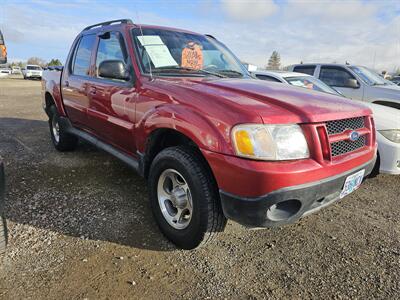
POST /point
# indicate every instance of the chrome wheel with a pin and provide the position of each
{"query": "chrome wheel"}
(55, 127)
(175, 199)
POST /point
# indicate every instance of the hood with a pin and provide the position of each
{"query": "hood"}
(274, 102)
(385, 117)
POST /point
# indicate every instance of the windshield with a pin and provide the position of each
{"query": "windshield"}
(174, 53)
(33, 68)
(311, 83)
(369, 77)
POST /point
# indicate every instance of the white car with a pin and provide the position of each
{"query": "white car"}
(387, 123)
(4, 72)
(32, 71)
(387, 119)
(16, 70)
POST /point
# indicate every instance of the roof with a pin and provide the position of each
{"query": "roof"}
(325, 64)
(128, 23)
(282, 74)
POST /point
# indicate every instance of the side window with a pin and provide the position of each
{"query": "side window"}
(82, 56)
(305, 69)
(111, 47)
(335, 76)
(267, 78)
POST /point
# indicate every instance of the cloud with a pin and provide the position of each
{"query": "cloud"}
(333, 10)
(248, 10)
(309, 31)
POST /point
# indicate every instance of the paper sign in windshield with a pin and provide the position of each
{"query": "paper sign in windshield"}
(297, 83)
(192, 56)
(157, 51)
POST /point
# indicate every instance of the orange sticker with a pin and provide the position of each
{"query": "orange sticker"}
(192, 56)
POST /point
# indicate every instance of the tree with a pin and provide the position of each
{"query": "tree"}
(17, 64)
(54, 62)
(36, 61)
(274, 62)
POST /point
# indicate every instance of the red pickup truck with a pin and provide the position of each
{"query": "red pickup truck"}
(212, 142)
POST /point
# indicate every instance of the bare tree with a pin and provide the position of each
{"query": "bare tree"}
(36, 61)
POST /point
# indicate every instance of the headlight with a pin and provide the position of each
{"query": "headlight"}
(392, 135)
(270, 142)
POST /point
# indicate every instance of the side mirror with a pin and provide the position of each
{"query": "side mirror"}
(352, 83)
(113, 69)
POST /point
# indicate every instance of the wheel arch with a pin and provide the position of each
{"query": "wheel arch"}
(162, 138)
(388, 103)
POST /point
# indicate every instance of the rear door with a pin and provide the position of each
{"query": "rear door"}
(76, 79)
(338, 78)
(111, 110)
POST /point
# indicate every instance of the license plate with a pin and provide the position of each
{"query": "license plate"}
(352, 183)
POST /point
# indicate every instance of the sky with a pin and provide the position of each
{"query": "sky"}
(357, 31)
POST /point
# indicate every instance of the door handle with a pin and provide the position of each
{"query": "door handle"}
(66, 83)
(92, 91)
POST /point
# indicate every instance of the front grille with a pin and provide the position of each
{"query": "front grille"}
(338, 126)
(345, 146)
(342, 147)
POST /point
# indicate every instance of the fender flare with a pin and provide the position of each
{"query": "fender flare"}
(186, 121)
(53, 90)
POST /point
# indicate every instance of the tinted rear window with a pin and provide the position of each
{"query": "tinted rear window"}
(305, 69)
(33, 68)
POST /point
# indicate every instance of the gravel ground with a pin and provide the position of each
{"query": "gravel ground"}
(81, 227)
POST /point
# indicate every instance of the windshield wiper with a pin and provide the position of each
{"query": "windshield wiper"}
(177, 68)
(231, 72)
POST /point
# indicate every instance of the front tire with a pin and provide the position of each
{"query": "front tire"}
(184, 197)
(62, 140)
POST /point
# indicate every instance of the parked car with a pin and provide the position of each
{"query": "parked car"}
(16, 70)
(4, 72)
(3, 50)
(387, 123)
(387, 119)
(396, 80)
(212, 142)
(3, 224)
(32, 71)
(355, 82)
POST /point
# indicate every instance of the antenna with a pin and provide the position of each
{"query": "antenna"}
(147, 55)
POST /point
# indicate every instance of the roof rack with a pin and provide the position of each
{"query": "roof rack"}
(121, 21)
(210, 36)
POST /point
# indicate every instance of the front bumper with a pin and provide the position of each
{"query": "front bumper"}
(287, 205)
(389, 155)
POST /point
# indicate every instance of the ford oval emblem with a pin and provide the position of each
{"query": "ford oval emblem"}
(354, 135)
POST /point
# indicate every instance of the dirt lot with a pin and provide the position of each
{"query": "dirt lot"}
(81, 227)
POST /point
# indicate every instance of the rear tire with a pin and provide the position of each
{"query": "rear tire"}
(62, 140)
(194, 192)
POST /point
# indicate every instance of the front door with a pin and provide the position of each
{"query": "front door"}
(111, 110)
(339, 78)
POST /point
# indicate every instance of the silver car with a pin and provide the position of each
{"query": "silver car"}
(355, 82)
